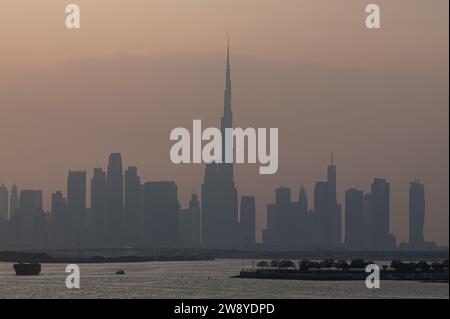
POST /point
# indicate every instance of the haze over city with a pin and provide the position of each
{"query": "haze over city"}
(377, 100)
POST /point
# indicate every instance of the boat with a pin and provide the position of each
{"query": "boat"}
(27, 269)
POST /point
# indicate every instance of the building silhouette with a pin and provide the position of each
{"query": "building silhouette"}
(114, 200)
(328, 210)
(132, 210)
(335, 208)
(76, 192)
(354, 220)
(303, 201)
(153, 218)
(128, 212)
(290, 225)
(248, 222)
(416, 214)
(308, 223)
(59, 203)
(366, 221)
(9, 226)
(13, 200)
(76, 207)
(323, 211)
(30, 200)
(380, 235)
(98, 208)
(59, 223)
(189, 224)
(161, 214)
(219, 194)
(281, 226)
(4, 203)
(28, 223)
(4, 215)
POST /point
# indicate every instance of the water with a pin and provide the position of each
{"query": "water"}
(199, 279)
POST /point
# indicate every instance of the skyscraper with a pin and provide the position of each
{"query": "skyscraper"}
(30, 200)
(59, 204)
(161, 214)
(219, 194)
(4, 203)
(131, 206)
(248, 221)
(322, 209)
(367, 221)
(98, 207)
(189, 224)
(282, 222)
(307, 222)
(328, 210)
(227, 118)
(303, 200)
(354, 205)
(29, 221)
(335, 207)
(60, 222)
(76, 191)
(416, 214)
(114, 200)
(380, 236)
(76, 206)
(13, 200)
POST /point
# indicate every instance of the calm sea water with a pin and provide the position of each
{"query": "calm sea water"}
(202, 279)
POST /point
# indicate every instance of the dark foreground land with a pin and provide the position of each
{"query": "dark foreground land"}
(49, 259)
(338, 275)
(358, 269)
(109, 255)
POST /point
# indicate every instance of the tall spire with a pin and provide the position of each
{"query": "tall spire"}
(227, 119)
(228, 49)
(228, 77)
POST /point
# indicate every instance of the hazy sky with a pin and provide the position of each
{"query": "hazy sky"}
(137, 69)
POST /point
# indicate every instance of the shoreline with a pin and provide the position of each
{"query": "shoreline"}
(44, 258)
(339, 275)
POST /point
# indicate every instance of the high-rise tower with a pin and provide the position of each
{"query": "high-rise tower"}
(76, 192)
(248, 221)
(335, 234)
(13, 200)
(114, 199)
(416, 214)
(76, 206)
(380, 236)
(354, 227)
(4, 204)
(98, 206)
(227, 119)
(131, 206)
(219, 194)
(328, 209)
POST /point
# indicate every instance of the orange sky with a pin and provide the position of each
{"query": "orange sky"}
(134, 71)
(328, 32)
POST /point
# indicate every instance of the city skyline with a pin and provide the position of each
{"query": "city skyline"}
(126, 212)
(313, 70)
(224, 157)
(365, 227)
